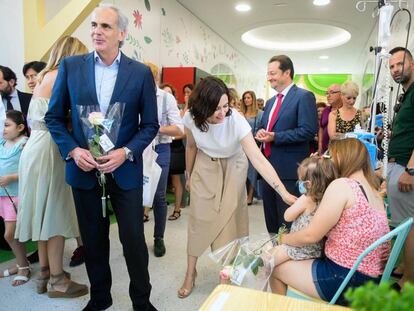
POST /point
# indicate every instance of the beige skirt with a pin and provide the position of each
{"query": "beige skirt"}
(218, 208)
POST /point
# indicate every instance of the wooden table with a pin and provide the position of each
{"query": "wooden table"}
(233, 298)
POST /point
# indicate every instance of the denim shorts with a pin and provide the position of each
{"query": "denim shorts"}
(328, 276)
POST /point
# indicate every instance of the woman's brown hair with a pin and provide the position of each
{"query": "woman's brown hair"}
(204, 100)
(320, 172)
(350, 155)
(243, 107)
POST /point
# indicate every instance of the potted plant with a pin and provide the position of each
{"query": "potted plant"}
(374, 297)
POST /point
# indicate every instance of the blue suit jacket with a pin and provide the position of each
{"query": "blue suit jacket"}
(295, 126)
(75, 85)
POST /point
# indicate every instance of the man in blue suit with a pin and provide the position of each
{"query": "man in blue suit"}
(289, 123)
(102, 78)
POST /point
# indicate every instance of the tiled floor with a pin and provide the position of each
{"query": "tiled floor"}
(166, 274)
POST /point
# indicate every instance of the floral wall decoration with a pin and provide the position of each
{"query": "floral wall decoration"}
(137, 19)
(165, 33)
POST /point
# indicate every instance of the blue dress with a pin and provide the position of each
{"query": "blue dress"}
(9, 163)
(251, 172)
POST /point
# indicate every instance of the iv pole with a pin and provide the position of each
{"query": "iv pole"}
(382, 87)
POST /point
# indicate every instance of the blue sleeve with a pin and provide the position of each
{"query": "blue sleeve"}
(56, 116)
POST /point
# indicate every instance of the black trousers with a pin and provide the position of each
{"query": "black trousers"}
(273, 205)
(94, 231)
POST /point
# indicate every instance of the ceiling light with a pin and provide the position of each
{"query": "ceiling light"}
(323, 57)
(321, 2)
(242, 7)
(296, 37)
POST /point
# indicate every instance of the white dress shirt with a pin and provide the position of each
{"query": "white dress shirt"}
(168, 114)
(284, 92)
(14, 98)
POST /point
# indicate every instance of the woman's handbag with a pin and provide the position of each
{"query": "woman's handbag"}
(152, 173)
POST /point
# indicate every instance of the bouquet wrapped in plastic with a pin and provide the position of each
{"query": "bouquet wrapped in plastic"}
(248, 262)
(101, 132)
(245, 262)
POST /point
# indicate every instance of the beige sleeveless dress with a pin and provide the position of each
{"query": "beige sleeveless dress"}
(46, 206)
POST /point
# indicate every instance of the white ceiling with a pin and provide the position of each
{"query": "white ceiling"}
(222, 18)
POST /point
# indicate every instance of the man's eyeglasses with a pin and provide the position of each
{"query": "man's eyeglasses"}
(331, 92)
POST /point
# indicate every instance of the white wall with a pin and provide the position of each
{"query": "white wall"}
(12, 39)
(171, 36)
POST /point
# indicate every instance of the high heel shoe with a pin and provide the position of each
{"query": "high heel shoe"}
(185, 292)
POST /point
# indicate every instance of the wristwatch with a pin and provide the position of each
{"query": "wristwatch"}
(410, 170)
(128, 154)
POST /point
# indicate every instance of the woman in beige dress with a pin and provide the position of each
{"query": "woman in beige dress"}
(47, 212)
(218, 140)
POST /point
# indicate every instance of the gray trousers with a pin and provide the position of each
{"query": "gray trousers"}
(401, 203)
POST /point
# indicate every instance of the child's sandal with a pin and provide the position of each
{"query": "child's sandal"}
(22, 279)
(7, 273)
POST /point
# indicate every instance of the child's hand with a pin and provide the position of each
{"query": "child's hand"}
(300, 206)
(5, 180)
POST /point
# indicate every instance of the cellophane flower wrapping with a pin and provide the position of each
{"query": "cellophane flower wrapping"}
(101, 131)
(245, 262)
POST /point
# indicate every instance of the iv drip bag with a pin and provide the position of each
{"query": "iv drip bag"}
(384, 23)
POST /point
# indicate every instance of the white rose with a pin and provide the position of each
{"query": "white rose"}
(96, 118)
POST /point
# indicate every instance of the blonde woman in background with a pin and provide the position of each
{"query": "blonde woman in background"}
(345, 119)
(47, 212)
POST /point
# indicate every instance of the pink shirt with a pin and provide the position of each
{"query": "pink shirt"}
(358, 227)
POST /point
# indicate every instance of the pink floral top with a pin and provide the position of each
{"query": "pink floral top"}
(358, 227)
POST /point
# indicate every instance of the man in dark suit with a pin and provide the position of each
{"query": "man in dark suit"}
(102, 78)
(13, 99)
(289, 123)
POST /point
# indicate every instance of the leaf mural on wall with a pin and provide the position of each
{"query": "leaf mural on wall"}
(147, 40)
(134, 42)
(163, 12)
(196, 54)
(147, 5)
(137, 19)
(168, 38)
(136, 55)
(186, 58)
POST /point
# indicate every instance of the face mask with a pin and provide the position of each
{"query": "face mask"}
(301, 186)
